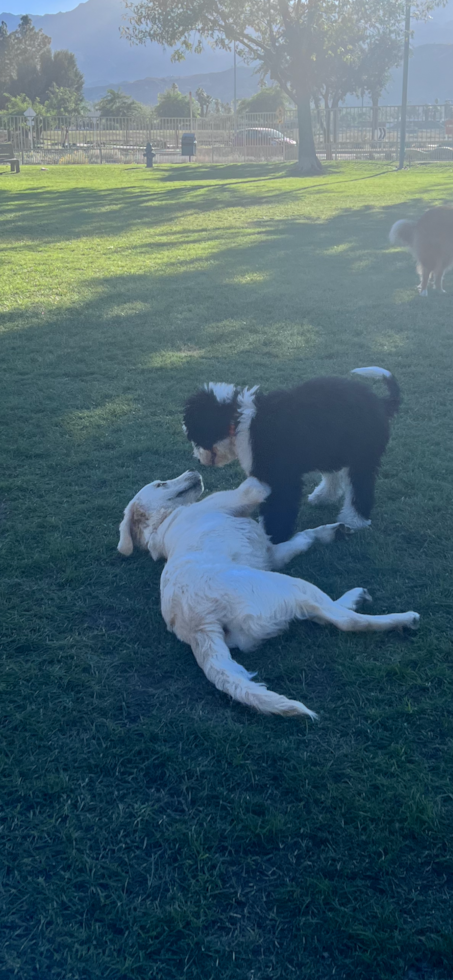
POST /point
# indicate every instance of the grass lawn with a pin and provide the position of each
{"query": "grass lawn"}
(150, 828)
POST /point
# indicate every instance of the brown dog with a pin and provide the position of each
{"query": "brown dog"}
(430, 239)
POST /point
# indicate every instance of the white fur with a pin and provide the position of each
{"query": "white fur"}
(372, 372)
(331, 488)
(222, 453)
(395, 237)
(237, 445)
(223, 392)
(247, 412)
(217, 588)
(348, 514)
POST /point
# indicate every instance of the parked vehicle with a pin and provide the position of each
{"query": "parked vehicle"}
(261, 136)
(416, 127)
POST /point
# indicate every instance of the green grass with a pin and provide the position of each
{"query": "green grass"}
(150, 828)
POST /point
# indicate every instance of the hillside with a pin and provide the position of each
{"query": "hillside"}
(430, 76)
(219, 84)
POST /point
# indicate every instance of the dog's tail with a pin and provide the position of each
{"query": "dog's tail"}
(402, 233)
(126, 544)
(214, 658)
(393, 402)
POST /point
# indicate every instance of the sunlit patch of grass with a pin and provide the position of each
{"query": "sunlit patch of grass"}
(171, 358)
(247, 277)
(82, 425)
(390, 341)
(336, 249)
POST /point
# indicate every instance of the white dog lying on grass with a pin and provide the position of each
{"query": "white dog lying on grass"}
(218, 588)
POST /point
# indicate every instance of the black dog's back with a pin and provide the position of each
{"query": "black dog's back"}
(325, 424)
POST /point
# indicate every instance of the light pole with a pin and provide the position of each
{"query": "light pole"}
(235, 101)
(96, 117)
(407, 33)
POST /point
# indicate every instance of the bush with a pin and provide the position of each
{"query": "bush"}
(78, 157)
(270, 98)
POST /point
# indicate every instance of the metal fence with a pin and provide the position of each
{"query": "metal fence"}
(356, 133)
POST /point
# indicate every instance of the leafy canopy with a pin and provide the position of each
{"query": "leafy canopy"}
(270, 98)
(28, 67)
(117, 103)
(297, 42)
(172, 104)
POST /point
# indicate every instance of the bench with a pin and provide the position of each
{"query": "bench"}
(7, 156)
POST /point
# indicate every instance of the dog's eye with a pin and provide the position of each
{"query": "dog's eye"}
(160, 484)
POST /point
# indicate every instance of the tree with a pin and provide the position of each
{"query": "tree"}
(204, 101)
(222, 108)
(117, 103)
(25, 47)
(285, 37)
(29, 68)
(59, 68)
(64, 101)
(5, 58)
(270, 98)
(15, 105)
(172, 104)
(354, 57)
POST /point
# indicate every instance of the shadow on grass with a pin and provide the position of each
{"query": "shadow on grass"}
(147, 819)
(47, 215)
(299, 299)
(44, 215)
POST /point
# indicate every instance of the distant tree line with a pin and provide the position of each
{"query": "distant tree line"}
(173, 104)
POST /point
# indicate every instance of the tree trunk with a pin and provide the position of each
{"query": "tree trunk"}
(308, 165)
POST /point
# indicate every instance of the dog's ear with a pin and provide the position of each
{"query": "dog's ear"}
(155, 546)
(155, 537)
(126, 544)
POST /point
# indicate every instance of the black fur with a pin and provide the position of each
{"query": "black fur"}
(208, 418)
(324, 424)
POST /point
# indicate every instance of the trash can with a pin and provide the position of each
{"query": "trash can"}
(188, 145)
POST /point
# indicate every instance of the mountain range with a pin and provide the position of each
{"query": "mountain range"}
(92, 32)
(219, 84)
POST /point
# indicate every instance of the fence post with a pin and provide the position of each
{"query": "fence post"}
(335, 131)
(328, 134)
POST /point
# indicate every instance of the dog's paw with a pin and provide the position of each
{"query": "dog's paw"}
(353, 598)
(342, 531)
(412, 620)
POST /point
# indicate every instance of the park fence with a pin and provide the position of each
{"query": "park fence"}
(347, 133)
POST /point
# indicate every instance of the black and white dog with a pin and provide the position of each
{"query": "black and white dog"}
(334, 425)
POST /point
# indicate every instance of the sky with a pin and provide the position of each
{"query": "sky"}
(54, 6)
(37, 6)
